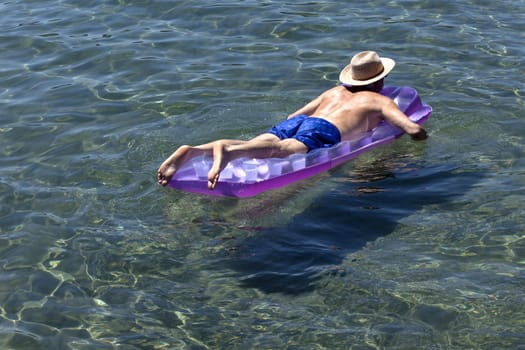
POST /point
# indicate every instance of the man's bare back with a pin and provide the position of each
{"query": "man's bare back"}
(349, 112)
(355, 113)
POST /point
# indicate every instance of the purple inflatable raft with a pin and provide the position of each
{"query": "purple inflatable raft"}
(246, 177)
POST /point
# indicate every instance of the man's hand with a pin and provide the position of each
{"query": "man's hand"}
(419, 135)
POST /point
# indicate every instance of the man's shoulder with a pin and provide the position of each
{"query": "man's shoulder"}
(338, 88)
(341, 89)
(371, 95)
(342, 93)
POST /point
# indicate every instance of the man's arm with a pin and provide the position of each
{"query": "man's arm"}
(396, 117)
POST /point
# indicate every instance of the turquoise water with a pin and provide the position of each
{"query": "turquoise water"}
(410, 246)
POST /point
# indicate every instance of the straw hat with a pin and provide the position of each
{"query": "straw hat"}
(366, 68)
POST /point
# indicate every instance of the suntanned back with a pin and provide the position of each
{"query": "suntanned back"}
(351, 112)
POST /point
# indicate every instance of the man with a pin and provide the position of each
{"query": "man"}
(340, 113)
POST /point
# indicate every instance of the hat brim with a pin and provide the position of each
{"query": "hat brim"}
(346, 74)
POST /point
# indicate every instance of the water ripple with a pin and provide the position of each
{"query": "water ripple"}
(409, 246)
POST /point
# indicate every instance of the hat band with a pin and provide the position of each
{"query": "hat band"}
(355, 76)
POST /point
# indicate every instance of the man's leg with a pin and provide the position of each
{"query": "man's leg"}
(184, 153)
(263, 146)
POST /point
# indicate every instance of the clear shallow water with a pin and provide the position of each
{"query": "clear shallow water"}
(414, 245)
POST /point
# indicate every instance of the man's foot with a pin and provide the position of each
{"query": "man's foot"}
(219, 162)
(169, 167)
(165, 173)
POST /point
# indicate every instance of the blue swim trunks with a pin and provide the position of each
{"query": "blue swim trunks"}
(313, 132)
